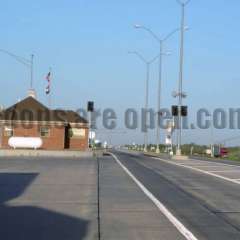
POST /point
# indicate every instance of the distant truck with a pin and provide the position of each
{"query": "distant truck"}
(219, 151)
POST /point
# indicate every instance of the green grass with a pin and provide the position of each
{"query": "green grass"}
(234, 156)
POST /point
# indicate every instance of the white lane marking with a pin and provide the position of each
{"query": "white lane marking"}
(203, 166)
(212, 168)
(225, 171)
(181, 228)
(217, 163)
(198, 170)
(7, 169)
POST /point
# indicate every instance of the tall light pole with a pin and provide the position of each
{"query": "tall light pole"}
(26, 62)
(212, 136)
(183, 4)
(147, 63)
(31, 67)
(161, 41)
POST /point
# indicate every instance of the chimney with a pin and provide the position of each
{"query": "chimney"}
(32, 93)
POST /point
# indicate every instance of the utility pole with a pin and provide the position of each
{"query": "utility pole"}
(146, 104)
(148, 64)
(161, 41)
(180, 88)
(159, 97)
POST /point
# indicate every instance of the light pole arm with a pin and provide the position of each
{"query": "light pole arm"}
(22, 60)
(144, 59)
(27, 63)
(170, 34)
(152, 33)
(154, 59)
(155, 35)
(139, 56)
(183, 3)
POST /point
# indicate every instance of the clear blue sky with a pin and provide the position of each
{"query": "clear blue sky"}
(86, 43)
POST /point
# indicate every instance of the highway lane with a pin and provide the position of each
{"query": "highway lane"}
(207, 205)
(125, 211)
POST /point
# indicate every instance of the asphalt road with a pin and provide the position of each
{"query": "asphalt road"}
(120, 197)
(204, 196)
(126, 213)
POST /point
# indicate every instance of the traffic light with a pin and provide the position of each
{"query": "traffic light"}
(175, 111)
(90, 106)
(184, 111)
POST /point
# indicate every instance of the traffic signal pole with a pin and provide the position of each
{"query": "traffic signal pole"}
(180, 92)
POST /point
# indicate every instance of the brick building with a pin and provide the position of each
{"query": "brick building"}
(57, 129)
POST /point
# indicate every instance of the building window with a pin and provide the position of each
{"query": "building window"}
(44, 131)
(8, 131)
(77, 133)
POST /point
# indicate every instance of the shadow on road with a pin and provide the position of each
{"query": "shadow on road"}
(28, 223)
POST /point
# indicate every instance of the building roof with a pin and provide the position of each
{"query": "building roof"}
(69, 116)
(30, 109)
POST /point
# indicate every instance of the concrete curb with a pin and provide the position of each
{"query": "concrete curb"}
(182, 157)
(44, 153)
(156, 155)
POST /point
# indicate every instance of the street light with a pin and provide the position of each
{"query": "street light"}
(183, 4)
(147, 63)
(26, 62)
(161, 54)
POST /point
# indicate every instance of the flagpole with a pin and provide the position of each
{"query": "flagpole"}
(31, 81)
(48, 87)
(50, 102)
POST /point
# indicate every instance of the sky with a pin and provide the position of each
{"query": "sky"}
(86, 44)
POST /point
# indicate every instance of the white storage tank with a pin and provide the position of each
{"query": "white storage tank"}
(25, 142)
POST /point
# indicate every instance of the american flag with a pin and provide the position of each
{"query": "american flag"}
(47, 90)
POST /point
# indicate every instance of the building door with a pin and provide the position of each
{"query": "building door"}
(67, 138)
